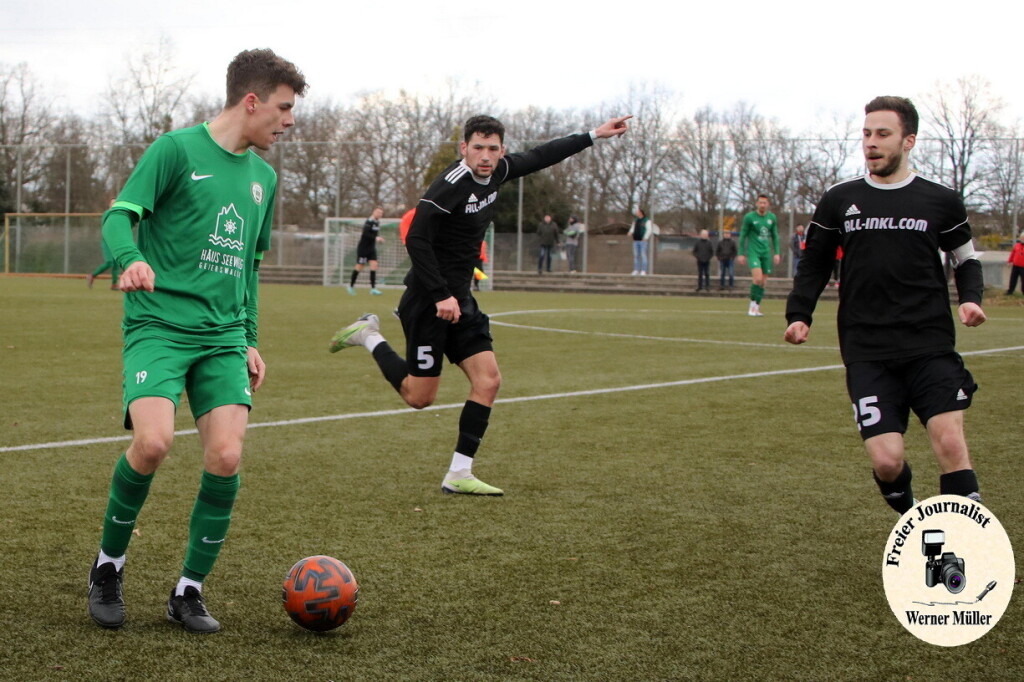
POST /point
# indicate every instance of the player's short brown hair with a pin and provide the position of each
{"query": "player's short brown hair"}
(486, 126)
(901, 106)
(261, 72)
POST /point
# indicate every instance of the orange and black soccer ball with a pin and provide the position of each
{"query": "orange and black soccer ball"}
(320, 593)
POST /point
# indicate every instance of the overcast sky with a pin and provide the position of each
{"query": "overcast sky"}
(795, 60)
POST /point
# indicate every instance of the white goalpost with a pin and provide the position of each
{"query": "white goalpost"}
(341, 237)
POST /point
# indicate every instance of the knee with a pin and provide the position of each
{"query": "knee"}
(223, 459)
(148, 450)
(488, 384)
(418, 402)
(887, 468)
(949, 443)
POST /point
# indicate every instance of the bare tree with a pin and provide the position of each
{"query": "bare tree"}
(961, 116)
(1002, 170)
(307, 165)
(150, 98)
(768, 160)
(26, 122)
(625, 173)
(72, 179)
(828, 158)
(700, 167)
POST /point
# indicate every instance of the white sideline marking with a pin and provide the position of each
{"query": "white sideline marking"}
(451, 406)
(681, 339)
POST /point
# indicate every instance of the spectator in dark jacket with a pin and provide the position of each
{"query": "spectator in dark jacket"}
(703, 251)
(548, 237)
(726, 252)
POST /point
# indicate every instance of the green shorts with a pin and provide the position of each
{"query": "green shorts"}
(757, 259)
(211, 376)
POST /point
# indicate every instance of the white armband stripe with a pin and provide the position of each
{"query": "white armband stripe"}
(964, 253)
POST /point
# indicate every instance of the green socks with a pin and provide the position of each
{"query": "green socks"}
(208, 528)
(128, 491)
(756, 293)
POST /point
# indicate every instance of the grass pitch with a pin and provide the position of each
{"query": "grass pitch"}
(686, 498)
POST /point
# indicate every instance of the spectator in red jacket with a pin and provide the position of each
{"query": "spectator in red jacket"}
(1016, 263)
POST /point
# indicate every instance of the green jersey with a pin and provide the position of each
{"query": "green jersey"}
(207, 216)
(759, 233)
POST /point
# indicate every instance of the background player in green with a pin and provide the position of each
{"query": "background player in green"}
(204, 202)
(759, 243)
(108, 264)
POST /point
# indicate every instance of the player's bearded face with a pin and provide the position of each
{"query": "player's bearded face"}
(885, 147)
(482, 153)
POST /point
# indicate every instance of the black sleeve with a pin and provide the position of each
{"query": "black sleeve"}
(970, 283)
(420, 245)
(816, 264)
(547, 154)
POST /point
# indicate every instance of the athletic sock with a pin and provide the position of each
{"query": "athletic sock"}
(103, 558)
(472, 426)
(373, 339)
(184, 582)
(391, 364)
(756, 293)
(963, 482)
(461, 462)
(208, 527)
(373, 279)
(355, 276)
(897, 493)
(128, 491)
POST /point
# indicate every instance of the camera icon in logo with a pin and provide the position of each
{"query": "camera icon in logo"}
(947, 569)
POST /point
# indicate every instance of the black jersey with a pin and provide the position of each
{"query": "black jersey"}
(368, 239)
(894, 298)
(451, 218)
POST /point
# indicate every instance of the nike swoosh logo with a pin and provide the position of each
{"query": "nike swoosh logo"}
(123, 523)
(247, 391)
(212, 542)
(200, 177)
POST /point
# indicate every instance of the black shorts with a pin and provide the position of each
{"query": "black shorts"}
(883, 392)
(366, 253)
(427, 336)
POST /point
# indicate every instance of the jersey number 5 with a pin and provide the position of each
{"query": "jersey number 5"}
(424, 360)
(865, 413)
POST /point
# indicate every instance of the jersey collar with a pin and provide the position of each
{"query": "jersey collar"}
(895, 185)
(485, 181)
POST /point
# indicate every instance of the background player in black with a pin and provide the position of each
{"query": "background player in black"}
(439, 315)
(896, 332)
(366, 251)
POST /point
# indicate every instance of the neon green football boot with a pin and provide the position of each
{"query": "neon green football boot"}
(465, 483)
(355, 334)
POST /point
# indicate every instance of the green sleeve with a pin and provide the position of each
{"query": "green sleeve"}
(252, 298)
(744, 235)
(117, 236)
(775, 237)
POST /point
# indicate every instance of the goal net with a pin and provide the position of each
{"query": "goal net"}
(51, 243)
(341, 237)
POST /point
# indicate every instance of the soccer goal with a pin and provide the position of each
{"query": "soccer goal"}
(51, 243)
(341, 237)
